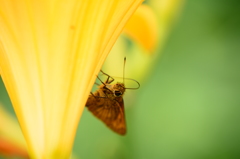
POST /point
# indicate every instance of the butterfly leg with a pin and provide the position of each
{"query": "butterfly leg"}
(97, 84)
(108, 79)
(101, 81)
(100, 94)
(93, 95)
(104, 83)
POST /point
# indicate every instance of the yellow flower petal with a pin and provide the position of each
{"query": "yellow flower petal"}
(50, 53)
(143, 27)
(10, 130)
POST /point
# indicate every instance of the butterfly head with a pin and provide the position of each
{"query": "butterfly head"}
(118, 89)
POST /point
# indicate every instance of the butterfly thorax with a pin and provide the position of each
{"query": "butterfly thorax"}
(113, 90)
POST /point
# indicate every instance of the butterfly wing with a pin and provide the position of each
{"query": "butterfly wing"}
(110, 111)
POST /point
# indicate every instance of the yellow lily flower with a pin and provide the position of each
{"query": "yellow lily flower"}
(148, 28)
(143, 27)
(50, 53)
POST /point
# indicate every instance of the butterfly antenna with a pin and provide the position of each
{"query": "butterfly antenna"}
(134, 81)
(124, 63)
(124, 70)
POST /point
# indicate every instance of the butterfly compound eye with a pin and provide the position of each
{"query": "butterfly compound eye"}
(117, 93)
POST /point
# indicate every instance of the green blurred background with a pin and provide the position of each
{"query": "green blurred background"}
(189, 107)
